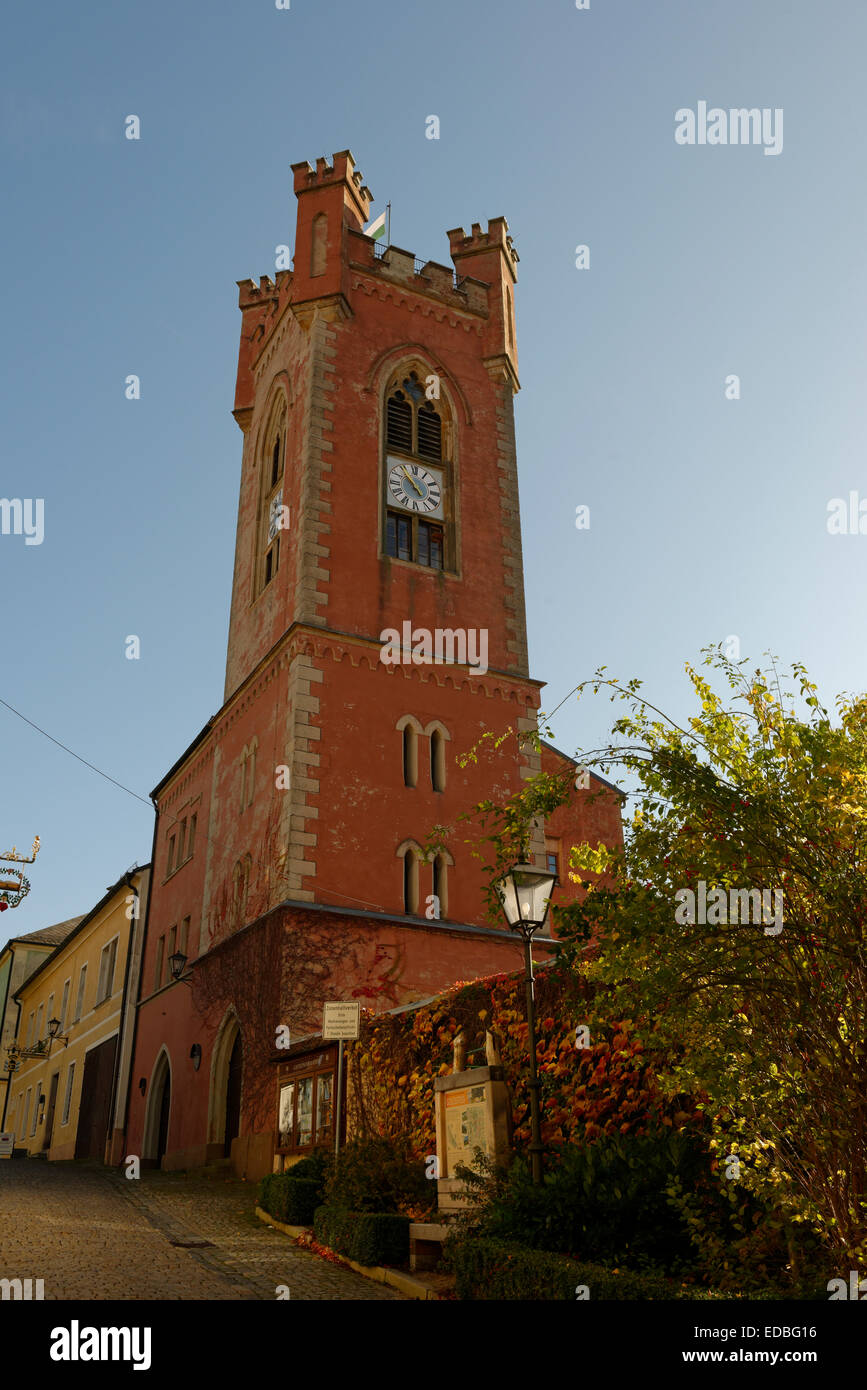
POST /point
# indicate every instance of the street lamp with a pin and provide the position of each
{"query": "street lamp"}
(177, 962)
(54, 1027)
(525, 894)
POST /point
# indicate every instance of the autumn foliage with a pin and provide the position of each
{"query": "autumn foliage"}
(603, 1088)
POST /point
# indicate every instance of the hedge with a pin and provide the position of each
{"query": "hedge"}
(494, 1270)
(290, 1199)
(369, 1237)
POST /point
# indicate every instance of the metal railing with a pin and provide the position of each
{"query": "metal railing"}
(380, 248)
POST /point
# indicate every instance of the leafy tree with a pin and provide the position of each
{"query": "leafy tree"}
(760, 790)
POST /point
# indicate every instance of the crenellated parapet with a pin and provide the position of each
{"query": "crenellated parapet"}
(340, 173)
(490, 244)
(430, 278)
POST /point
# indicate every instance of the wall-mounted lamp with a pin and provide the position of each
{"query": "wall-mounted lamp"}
(54, 1026)
(177, 964)
(143, 1084)
(196, 1055)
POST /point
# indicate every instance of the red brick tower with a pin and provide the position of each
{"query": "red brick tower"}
(378, 517)
(401, 510)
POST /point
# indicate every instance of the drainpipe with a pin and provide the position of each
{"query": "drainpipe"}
(120, 1032)
(144, 942)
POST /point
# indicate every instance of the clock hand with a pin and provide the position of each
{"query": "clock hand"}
(413, 481)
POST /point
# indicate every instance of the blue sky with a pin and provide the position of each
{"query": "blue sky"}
(708, 516)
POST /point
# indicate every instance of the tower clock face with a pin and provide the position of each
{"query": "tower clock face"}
(414, 487)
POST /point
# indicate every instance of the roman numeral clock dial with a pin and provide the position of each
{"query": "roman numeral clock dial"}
(415, 488)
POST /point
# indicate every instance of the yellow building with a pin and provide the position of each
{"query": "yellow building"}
(18, 959)
(67, 1094)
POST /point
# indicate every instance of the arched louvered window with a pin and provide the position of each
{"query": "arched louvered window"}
(413, 423)
(272, 509)
(430, 433)
(399, 423)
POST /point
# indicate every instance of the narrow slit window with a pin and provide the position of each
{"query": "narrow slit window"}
(440, 884)
(437, 761)
(410, 882)
(410, 756)
(407, 883)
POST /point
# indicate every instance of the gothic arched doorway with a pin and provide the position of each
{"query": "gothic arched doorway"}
(224, 1096)
(165, 1109)
(158, 1112)
(233, 1097)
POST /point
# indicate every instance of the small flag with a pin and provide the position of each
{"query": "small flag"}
(377, 228)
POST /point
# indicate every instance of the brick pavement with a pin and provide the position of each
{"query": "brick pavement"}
(91, 1233)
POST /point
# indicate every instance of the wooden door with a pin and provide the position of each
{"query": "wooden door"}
(49, 1117)
(95, 1107)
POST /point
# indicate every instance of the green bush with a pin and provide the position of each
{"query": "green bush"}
(293, 1196)
(334, 1227)
(317, 1165)
(603, 1202)
(492, 1270)
(369, 1237)
(378, 1175)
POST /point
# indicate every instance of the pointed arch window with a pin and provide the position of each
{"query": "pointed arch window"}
(413, 424)
(272, 510)
(418, 517)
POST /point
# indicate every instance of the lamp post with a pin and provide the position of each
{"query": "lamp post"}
(525, 893)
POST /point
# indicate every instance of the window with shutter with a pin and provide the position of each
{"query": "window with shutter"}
(399, 423)
(430, 434)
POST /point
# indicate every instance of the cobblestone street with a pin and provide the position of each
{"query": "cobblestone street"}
(90, 1233)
